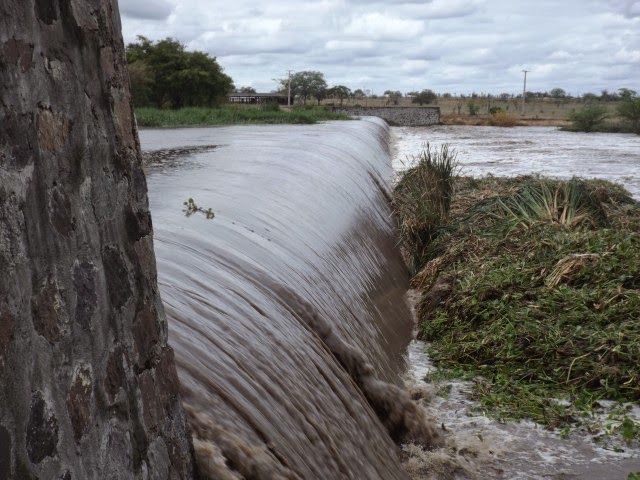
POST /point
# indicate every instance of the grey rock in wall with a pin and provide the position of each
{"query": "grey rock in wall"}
(88, 386)
(397, 116)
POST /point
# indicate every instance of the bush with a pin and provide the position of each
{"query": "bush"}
(629, 109)
(270, 107)
(536, 290)
(425, 97)
(473, 108)
(502, 119)
(588, 118)
(423, 197)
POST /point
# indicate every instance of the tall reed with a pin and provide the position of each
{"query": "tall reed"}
(422, 198)
(567, 203)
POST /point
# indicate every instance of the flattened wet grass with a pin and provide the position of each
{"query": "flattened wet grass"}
(231, 115)
(532, 287)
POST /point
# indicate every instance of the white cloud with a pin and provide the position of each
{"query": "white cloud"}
(414, 66)
(625, 56)
(561, 55)
(446, 45)
(378, 26)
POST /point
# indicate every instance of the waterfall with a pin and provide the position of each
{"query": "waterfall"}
(285, 310)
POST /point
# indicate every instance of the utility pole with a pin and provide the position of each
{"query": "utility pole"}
(524, 89)
(289, 86)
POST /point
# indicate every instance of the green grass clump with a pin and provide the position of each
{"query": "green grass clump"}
(535, 288)
(422, 198)
(231, 115)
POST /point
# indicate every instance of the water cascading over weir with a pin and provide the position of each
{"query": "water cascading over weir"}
(286, 310)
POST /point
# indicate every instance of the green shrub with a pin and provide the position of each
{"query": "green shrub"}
(423, 197)
(629, 109)
(473, 107)
(270, 107)
(536, 290)
(588, 118)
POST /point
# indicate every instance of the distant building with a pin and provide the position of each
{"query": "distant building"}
(237, 97)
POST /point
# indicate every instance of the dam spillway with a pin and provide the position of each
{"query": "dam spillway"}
(273, 304)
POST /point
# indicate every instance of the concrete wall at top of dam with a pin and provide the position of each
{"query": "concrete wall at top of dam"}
(397, 116)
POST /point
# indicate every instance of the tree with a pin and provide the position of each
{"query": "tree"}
(425, 97)
(557, 93)
(359, 93)
(473, 107)
(626, 93)
(588, 118)
(605, 96)
(393, 96)
(89, 385)
(307, 84)
(629, 109)
(247, 90)
(179, 78)
(340, 92)
(141, 80)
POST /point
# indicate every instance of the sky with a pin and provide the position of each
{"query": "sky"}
(454, 46)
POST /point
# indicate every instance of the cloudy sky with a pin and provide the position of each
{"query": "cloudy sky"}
(456, 46)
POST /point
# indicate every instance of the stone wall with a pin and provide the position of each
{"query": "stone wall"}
(397, 116)
(88, 384)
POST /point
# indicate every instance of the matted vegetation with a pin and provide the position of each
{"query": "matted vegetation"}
(423, 198)
(500, 118)
(201, 116)
(532, 287)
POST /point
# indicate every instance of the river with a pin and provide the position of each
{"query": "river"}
(287, 310)
(524, 150)
(521, 451)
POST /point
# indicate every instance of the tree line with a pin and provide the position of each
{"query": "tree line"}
(593, 116)
(165, 74)
(311, 85)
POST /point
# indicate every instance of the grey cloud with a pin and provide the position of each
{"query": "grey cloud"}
(447, 45)
(147, 10)
(628, 8)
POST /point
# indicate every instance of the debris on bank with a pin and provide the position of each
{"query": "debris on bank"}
(530, 291)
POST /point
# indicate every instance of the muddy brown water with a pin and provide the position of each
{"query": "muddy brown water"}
(484, 447)
(299, 270)
(297, 274)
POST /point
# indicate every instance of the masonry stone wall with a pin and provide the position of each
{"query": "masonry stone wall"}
(397, 116)
(88, 383)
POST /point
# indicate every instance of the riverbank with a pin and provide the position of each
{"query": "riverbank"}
(529, 290)
(514, 121)
(232, 115)
(503, 119)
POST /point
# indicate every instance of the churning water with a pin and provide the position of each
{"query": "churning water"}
(524, 150)
(286, 310)
(524, 451)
